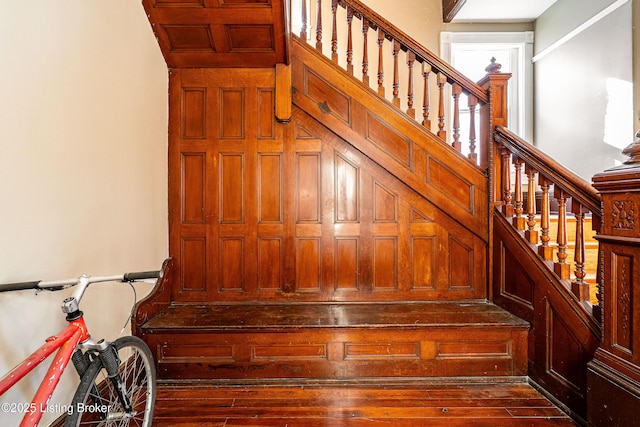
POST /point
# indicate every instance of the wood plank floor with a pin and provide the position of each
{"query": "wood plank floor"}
(354, 405)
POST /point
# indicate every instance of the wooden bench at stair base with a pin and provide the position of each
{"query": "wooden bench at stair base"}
(337, 341)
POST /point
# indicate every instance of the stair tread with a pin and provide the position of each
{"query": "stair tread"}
(352, 404)
(334, 315)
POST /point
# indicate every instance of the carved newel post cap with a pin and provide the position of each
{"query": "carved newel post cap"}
(494, 67)
(633, 151)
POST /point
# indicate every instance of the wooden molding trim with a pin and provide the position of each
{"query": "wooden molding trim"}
(450, 9)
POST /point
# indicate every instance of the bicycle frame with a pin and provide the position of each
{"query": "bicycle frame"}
(65, 342)
(74, 336)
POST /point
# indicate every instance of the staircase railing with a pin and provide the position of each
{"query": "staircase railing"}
(546, 177)
(438, 84)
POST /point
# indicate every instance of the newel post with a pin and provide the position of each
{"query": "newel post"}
(493, 113)
(613, 376)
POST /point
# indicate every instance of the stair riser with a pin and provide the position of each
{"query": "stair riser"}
(320, 353)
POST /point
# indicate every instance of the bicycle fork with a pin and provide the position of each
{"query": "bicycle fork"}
(108, 355)
(111, 363)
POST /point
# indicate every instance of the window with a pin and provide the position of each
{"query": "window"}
(470, 53)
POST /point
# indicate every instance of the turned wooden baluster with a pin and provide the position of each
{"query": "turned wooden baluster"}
(319, 25)
(531, 234)
(365, 52)
(456, 144)
(334, 31)
(473, 102)
(426, 70)
(579, 287)
(518, 219)
(544, 250)
(349, 40)
(396, 77)
(507, 207)
(411, 58)
(442, 79)
(562, 268)
(381, 37)
(303, 13)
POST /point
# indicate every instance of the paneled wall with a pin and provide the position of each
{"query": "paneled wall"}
(266, 211)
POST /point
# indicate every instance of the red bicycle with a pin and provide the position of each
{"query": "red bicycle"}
(117, 379)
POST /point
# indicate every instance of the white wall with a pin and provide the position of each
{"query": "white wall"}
(83, 167)
(584, 87)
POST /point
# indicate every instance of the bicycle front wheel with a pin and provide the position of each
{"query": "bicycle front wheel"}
(96, 402)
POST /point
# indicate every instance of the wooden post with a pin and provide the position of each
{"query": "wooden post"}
(283, 93)
(561, 267)
(518, 219)
(613, 376)
(492, 114)
(531, 234)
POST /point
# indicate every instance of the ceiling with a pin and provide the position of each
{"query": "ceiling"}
(219, 33)
(501, 10)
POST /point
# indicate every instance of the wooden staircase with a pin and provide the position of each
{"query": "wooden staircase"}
(348, 341)
(347, 244)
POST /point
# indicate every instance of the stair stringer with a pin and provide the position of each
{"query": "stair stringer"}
(564, 336)
(395, 141)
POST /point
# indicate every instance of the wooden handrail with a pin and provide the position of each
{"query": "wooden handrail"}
(579, 189)
(566, 185)
(401, 70)
(422, 54)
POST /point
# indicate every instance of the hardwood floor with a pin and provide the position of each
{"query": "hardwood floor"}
(405, 404)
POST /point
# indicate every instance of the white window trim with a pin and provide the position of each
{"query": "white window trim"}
(522, 113)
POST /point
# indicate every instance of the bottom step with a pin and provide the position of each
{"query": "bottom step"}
(406, 404)
(337, 341)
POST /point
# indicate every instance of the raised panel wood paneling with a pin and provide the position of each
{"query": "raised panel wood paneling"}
(450, 183)
(519, 286)
(385, 205)
(469, 350)
(231, 264)
(308, 187)
(308, 264)
(250, 38)
(347, 190)
(385, 262)
(270, 188)
(212, 34)
(189, 38)
(194, 113)
(623, 297)
(461, 268)
(384, 136)
(304, 216)
(232, 111)
(406, 150)
(275, 352)
(270, 263)
(381, 351)
(424, 255)
(560, 342)
(558, 356)
(193, 187)
(203, 353)
(193, 253)
(347, 268)
(266, 109)
(231, 188)
(330, 99)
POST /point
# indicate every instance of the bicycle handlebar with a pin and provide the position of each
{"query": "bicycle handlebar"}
(19, 286)
(61, 284)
